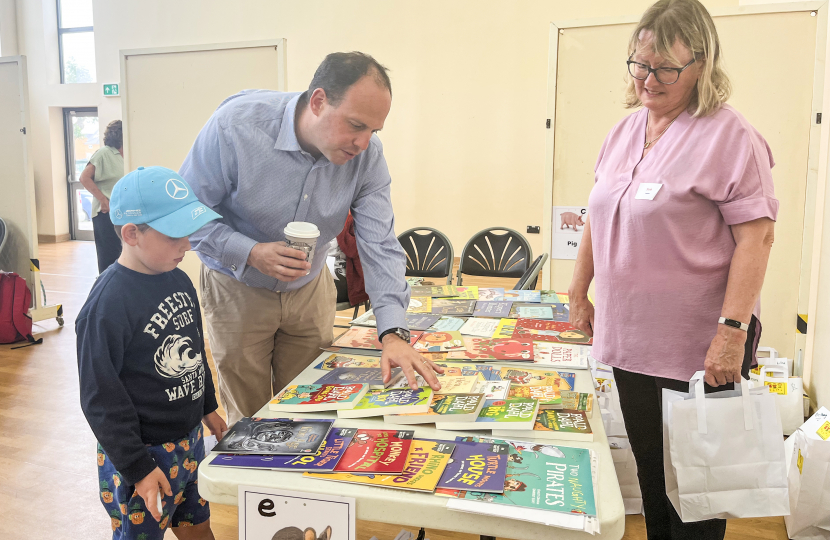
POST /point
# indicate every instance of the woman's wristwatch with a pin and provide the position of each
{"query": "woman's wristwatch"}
(400, 332)
(734, 324)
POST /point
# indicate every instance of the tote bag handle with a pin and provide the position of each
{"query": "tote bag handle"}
(696, 390)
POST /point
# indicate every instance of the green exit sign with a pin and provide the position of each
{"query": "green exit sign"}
(110, 89)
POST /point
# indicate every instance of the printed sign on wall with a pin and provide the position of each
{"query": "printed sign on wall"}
(266, 514)
(568, 224)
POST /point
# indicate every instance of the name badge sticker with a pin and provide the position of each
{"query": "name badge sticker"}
(647, 191)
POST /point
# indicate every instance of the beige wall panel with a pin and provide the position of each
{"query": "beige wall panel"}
(770, 59)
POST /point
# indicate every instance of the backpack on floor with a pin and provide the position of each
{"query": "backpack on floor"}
(15, 299)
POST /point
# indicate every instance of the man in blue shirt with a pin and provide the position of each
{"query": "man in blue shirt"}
(265, 159)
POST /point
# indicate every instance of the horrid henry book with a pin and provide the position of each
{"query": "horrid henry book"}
(421, 472)
(556, 331)
(376, 451)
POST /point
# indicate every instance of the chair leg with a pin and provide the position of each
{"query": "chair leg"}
(356, 311)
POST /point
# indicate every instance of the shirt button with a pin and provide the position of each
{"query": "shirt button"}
(305, 197)
(233, 267)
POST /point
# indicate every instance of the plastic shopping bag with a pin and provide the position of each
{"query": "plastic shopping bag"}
(809, 479)
(723, 453)
(788, 392)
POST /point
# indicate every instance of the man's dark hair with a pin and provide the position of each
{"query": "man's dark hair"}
(339, 71)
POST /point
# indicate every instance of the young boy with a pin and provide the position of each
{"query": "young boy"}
(145, 381)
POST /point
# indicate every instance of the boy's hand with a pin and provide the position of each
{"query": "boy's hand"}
(148, 489)
(215, 424)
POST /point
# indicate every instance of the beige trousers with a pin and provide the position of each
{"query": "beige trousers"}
(262, 339)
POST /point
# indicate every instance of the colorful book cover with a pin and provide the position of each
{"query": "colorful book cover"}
(553, 297)
(561, 355)
(312, 396)
(361, 337)
(448, 324)
(499, 412)
(505, 329)
(548, 396)
(492, 309)
(390, 401)
(422, 470)
(478, 348)
(440, 342)
(578, 401)
(563, 421)
(445, 306)
(490, 294)
(534, 312)
(415, 321)
(335, 361)
(434, 291)
(450, 384)
(274, 436)
(477, 467)
(370, 376)
(465, 293)
(523, 296)
(376, 451)
(546, 477)
(479, 327)
(494, 389)
(324, 460)
(561, 332)
(450, 407)
(420, 304)
(488, 373)
(539, 377)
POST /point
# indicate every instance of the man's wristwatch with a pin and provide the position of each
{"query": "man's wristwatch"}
(734, 324)
(400, 332)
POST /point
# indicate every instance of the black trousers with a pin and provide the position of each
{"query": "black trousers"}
(641, 402)
(107, 243)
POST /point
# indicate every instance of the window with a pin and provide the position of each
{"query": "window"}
(76, 41)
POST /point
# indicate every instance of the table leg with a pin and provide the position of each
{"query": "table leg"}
(488, 537)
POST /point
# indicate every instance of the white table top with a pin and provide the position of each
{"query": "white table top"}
(410, 509)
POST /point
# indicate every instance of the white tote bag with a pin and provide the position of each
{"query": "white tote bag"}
(723, 453)
(810, 481)
(788, 393)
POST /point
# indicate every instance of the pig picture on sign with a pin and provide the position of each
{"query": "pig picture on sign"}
(570, 220)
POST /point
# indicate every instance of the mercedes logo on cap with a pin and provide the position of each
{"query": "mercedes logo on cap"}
(117, 213)
(176, 189)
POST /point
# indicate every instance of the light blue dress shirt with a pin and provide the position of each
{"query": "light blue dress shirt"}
(247, 165)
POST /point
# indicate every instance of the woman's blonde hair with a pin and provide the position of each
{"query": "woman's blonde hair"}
(689, 22)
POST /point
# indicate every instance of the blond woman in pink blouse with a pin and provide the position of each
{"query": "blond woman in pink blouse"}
(679, 235)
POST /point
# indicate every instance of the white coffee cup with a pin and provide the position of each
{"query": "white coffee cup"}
(302, 236)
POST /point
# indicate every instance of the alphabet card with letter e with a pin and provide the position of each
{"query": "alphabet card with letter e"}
(269, 514)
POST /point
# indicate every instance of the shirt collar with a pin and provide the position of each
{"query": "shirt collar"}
(287, 138)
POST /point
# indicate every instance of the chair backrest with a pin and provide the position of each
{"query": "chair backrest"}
(495, 252)
(429, 253)
(529, 278)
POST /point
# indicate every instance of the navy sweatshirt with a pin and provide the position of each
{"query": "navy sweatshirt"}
(144, 375)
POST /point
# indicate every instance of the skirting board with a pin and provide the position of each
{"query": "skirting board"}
(52, 238)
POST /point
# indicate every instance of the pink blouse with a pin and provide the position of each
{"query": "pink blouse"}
(661, 265)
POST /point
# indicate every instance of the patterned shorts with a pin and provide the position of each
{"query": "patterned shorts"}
(179, 461)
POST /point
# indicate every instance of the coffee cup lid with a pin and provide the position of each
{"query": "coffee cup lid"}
(302, 229)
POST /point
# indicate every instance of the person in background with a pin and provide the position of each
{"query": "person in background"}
(265, 159)
(105, 168)
(681, 221)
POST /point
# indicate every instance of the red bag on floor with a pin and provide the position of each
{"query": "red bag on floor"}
(15, 300)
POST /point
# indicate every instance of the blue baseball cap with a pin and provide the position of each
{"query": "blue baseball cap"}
(160, 198)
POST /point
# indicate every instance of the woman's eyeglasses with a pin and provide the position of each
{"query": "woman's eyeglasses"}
(665, 75)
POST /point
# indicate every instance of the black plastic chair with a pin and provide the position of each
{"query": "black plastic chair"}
(495, 252)
(429, 253)
(531, 276)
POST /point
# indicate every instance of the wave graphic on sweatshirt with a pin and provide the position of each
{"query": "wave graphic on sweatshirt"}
(175, 357)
